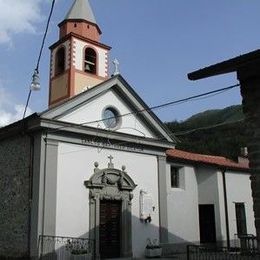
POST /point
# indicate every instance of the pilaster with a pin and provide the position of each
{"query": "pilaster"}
(50, 187)
(163, 213)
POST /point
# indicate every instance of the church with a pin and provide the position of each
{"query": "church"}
(97, 173)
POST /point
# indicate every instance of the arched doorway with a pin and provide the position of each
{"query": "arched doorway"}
(110, 199)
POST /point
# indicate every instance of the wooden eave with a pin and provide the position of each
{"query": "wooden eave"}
(227, 66)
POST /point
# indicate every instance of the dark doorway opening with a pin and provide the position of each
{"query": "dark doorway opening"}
(241, 218)
(207, 223)
(110, 228)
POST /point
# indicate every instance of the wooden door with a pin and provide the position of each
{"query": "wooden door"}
(110, 228)
(207, 223)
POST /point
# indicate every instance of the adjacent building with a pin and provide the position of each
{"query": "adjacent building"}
(209, 199)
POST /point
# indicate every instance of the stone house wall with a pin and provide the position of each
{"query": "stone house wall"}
(14, 196)
(250, 91)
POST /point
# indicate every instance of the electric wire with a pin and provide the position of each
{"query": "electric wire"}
(148, 109)
(181, 133)
(174, 134)
(177, 134)
(45, 34)
(40, 55)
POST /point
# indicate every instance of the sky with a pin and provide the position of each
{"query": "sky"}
(157, 42)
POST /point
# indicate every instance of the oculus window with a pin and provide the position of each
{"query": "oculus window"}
(111, 118)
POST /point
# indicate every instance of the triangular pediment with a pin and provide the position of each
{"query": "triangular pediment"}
(97, 107)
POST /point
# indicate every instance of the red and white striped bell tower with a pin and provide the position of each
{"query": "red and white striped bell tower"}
(79, 60)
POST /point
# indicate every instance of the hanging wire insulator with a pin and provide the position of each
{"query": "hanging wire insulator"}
(35, 85)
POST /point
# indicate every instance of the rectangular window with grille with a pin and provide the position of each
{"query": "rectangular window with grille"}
(175, 177)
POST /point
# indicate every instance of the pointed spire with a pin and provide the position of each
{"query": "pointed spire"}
(81, 9)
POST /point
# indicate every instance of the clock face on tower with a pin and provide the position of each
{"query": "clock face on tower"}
(110, 117)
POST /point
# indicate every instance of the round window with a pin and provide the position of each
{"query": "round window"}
(110, 117)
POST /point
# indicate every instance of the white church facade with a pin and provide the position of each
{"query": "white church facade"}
(100, 167)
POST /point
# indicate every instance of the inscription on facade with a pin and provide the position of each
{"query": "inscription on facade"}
(120, 146)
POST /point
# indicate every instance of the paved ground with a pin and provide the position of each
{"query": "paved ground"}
(175, 257)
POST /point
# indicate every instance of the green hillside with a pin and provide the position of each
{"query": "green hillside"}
(215, 132)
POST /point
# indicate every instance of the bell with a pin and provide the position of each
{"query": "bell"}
(35, 85)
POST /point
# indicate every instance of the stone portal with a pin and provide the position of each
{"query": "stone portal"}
(110, 199)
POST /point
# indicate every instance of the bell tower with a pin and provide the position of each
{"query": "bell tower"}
(79, 60)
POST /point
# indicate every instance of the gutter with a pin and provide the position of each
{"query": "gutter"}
(226, 207)
(44, 191)
(212, 165)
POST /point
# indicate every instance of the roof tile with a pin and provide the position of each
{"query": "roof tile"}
(206, 159)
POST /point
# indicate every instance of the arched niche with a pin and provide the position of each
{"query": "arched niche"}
(107, 185)
(60, 61)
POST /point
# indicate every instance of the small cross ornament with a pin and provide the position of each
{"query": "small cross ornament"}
(110, 164)
(116, 64)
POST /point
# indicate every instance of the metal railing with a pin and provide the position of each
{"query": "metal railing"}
(248, 243)
(71, 248)
(198, 252)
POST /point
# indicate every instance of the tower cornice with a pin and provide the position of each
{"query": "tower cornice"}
(104, 46)
(80, 21)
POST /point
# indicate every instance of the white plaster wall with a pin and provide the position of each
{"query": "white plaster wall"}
(76, 164)
(210, 192)
(102, 56)
(66, 44)
(239, 190)
(182, 206)
(92, 111)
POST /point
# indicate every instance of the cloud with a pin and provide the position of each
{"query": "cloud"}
(18, 16)
(10, 112)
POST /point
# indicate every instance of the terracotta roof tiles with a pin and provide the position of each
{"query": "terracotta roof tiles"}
(217, 161)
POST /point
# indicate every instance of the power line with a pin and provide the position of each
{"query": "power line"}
(45, 34)
(191, 98)
(176, 134)
(205, 127)
(36, 71)
(175, 102)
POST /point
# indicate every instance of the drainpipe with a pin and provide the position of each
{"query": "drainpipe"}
(226, 207)
(44, 190)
